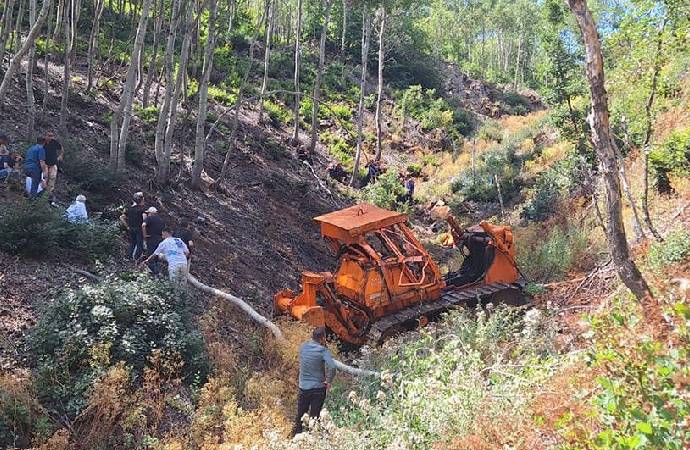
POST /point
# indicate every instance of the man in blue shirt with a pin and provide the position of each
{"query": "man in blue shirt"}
(35, 165)
(316, 372)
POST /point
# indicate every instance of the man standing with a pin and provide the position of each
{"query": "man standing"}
(187, 236)
(316, 372)
(175, 253)
(54, 154)
(35, 166)
(133, 219)
(152, 229)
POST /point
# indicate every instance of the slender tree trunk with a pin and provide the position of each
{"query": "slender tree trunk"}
(16, 36)
(344, 30)
(200, 142)
(648, 132)
(16, 60)
(59, 17)
(93, 43)
(366, 29)
(298, 58)
(5, 33)
(601, 136)
(637, 223)
(153, 65)
(238, 104)
(270, 11)
(70, 29)
(30, 101)
(125, 108)
(319, 73)
(178, 92)
(46, 62)
(517, 60)
(164, 112)
(379, 97)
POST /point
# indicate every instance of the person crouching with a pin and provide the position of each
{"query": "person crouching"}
(175, 253)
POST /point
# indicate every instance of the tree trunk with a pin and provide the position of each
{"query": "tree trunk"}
(200, 143)
(178, 92)
(238, 103)
(648, 132)
(517, 60)
(601, 136)
(153, 65)
(379, 97)
(366, 29)
(5, 33)
(319, 73)
(16, 36)
(344, 30)
(16, 60)
(93, 43)
(125, 107)
(70, 29)
(637, 224)
(298, 39)
(164, 112)
(30, 101)
(270, 11)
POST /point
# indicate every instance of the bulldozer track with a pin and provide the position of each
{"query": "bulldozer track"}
(451, 297)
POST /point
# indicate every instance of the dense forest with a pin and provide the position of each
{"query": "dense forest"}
(562, 126)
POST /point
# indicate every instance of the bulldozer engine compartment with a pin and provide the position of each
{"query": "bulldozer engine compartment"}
(385, 279)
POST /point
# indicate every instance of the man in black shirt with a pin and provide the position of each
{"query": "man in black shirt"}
(54, 154)
(133, 219)
(153, 229)
(187, 236)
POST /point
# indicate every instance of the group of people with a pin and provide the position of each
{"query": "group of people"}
(151, 239)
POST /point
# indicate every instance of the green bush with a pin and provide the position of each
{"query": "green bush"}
(222, 96)
(553, 255)
(386, 192)
(85, 331)
(337, 147)
(491, 131)
(148, 115)
(36, 229)
(674, 249)
(278, 113)
(90, 174)
(671, 157)
(480, 186)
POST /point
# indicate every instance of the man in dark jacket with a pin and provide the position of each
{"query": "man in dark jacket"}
(152, 229)
(133, 219)
(316, 372)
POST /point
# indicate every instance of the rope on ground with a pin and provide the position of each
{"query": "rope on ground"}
(267, 323)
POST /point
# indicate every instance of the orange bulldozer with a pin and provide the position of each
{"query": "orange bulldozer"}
(386, 281)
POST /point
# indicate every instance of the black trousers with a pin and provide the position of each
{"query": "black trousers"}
(308, 401)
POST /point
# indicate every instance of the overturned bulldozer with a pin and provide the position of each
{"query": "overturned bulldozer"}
(385, 280)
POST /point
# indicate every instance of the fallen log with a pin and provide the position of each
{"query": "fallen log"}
(244, 306)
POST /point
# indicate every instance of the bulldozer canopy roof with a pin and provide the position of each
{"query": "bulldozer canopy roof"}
(349, 224)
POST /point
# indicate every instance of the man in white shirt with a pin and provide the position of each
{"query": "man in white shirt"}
(76, 213)
(175, 253)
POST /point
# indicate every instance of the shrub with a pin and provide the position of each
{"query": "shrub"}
(36, 229)
(671, 157)
(386, 192)
(500, 163)
(85, 331)
(675, 249)
(91, 175)
(337, 147)
(222, 96)
(148, 115)
(278, 113)
(491, 131)
(552, 254)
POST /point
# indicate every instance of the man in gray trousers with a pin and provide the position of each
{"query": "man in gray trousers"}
(316, 372)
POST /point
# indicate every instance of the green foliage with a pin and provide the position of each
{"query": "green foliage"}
(553, 254)
(642, 399)
(437, 381)
(222, 96)
(674, 249)
(500, 164)
(278, 113)
(491, 131)
(148, 115)
(337, 147)
(90, 174)
(387, 192)
(551, 186)
(671, 157)
(33, 228)
(85, 331)
(432, 112)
